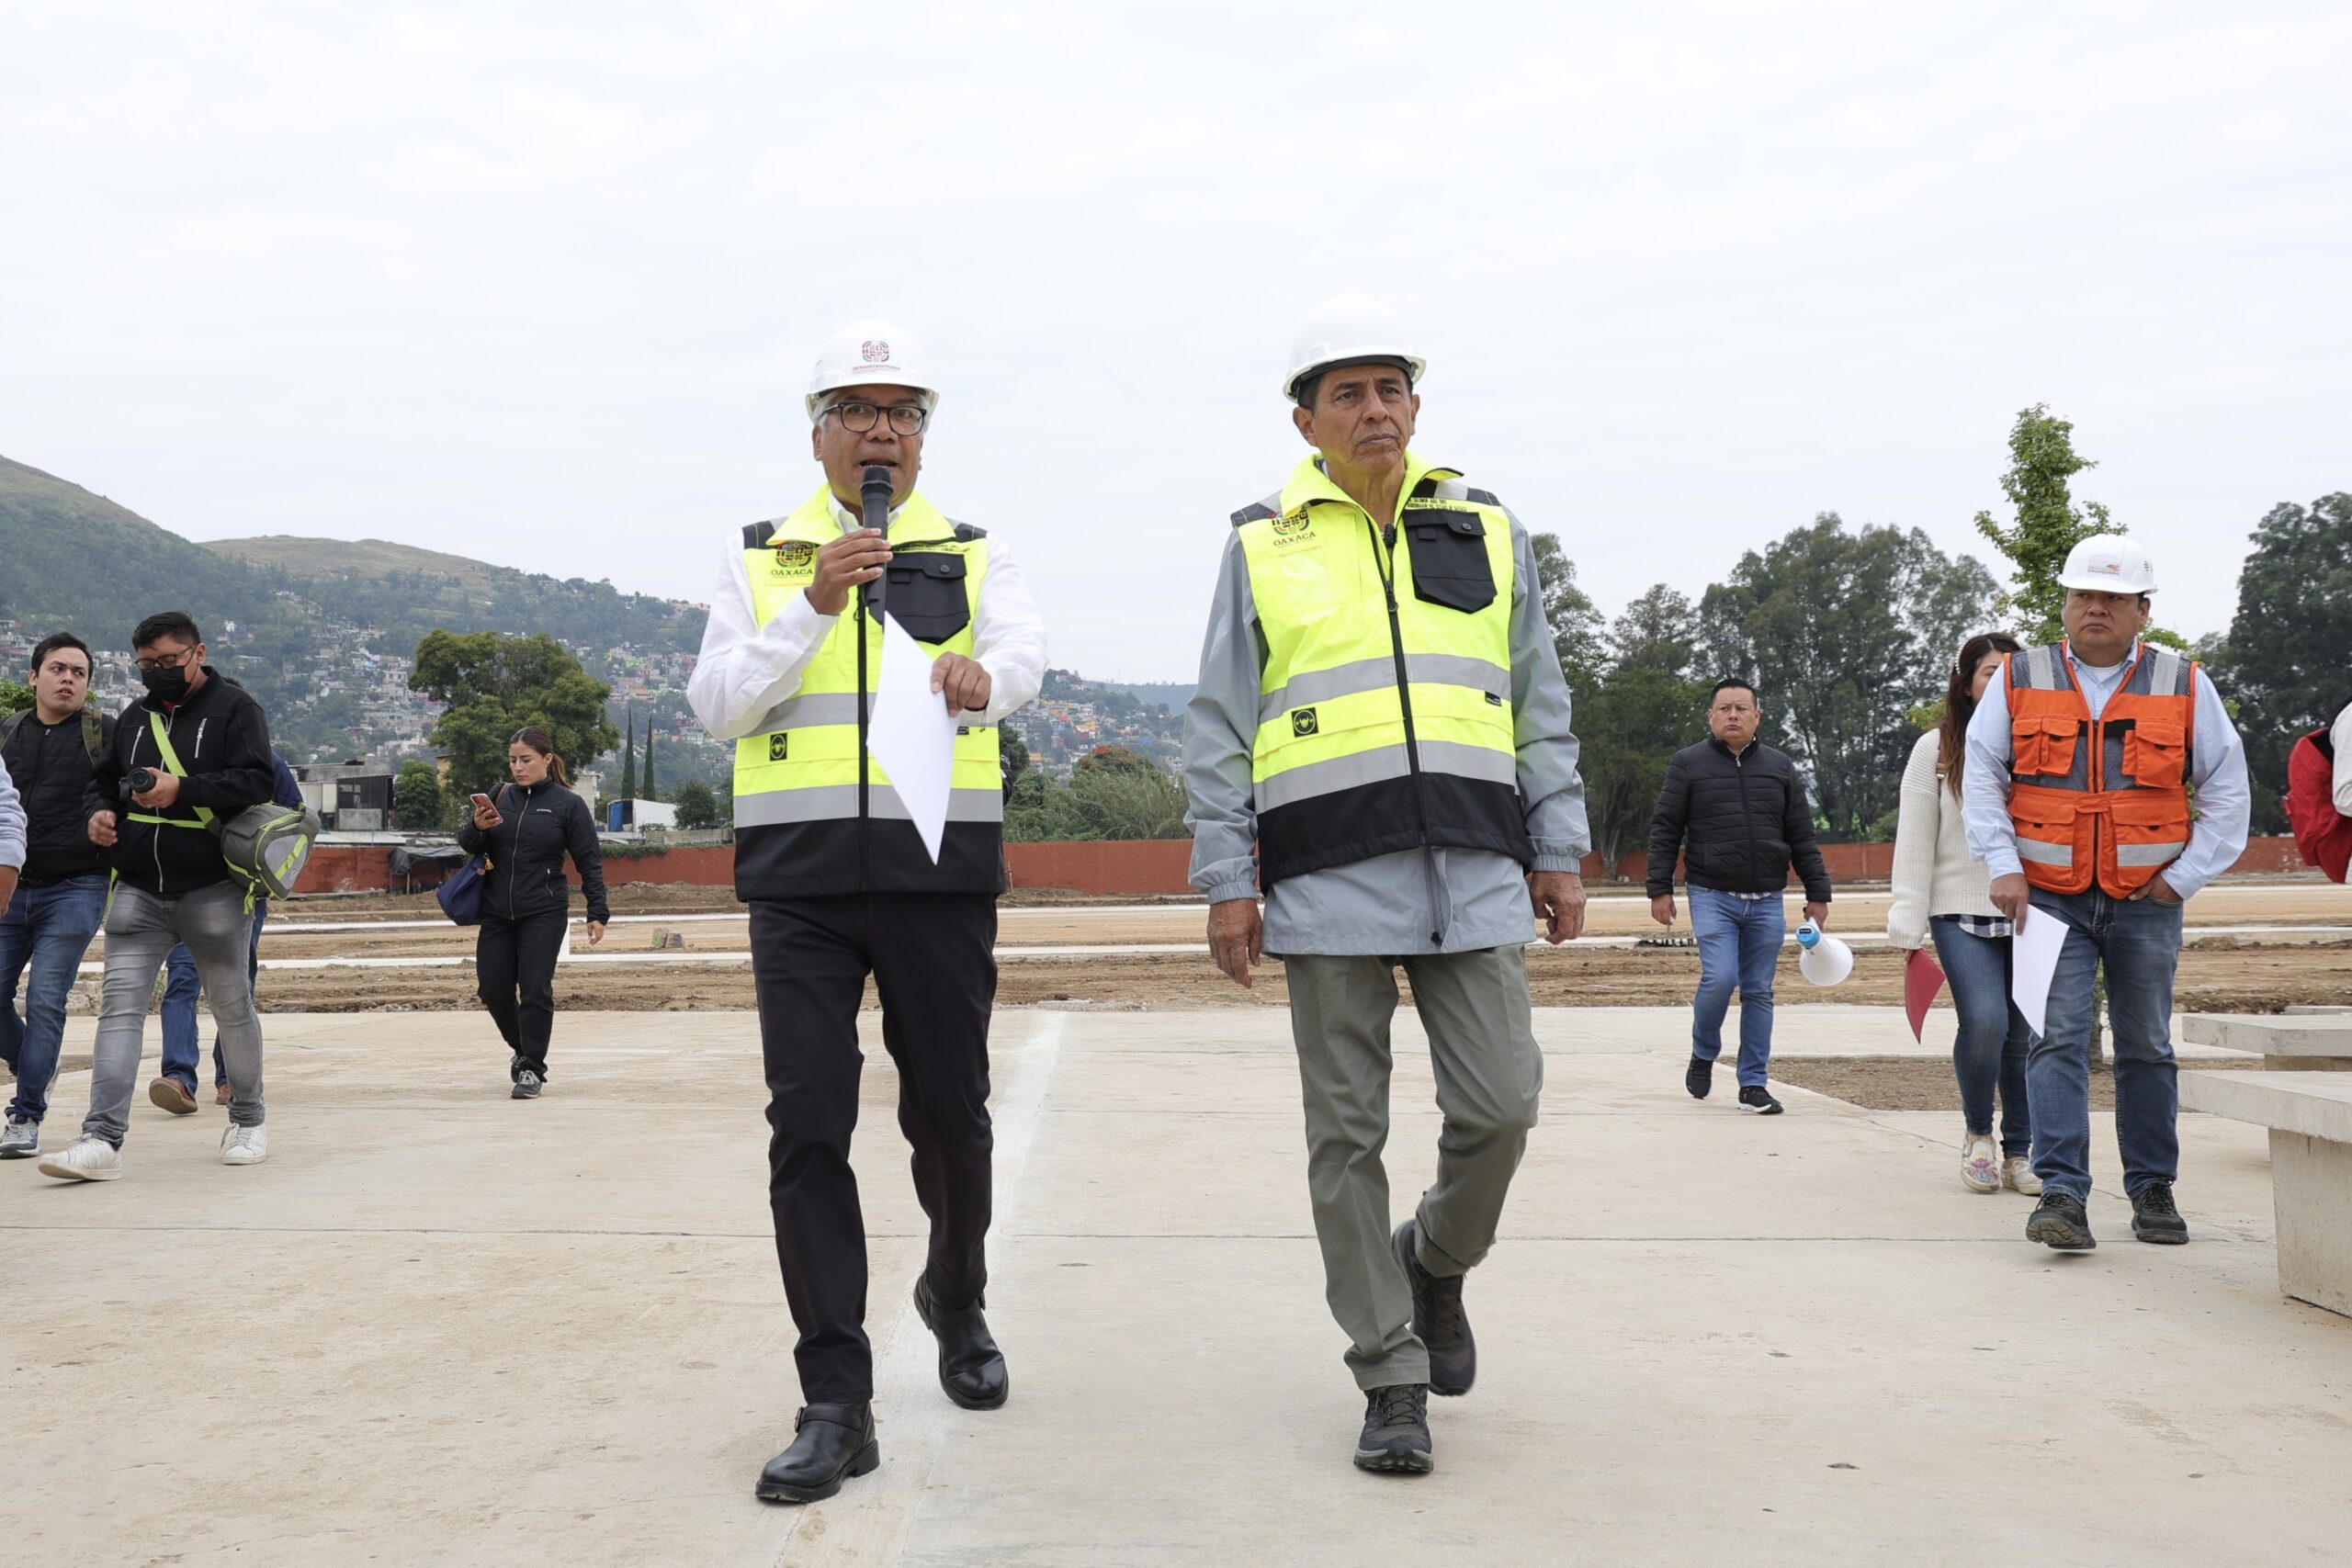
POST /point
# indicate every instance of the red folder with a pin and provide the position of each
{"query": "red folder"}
(1922, 979)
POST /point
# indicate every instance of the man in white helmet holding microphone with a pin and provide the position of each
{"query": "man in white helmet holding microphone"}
(1380, 742)
(842, 885)
(2081, 759)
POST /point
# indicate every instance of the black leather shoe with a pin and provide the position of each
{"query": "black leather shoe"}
(2156, 1218)
(835, 1442)
(971, 1369)
(1438, 1320)
(2060, 1223)
(1396, 1437)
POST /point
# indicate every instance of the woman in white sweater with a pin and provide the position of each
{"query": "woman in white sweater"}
(1940, 891)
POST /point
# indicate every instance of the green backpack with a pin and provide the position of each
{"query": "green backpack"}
(265, 846)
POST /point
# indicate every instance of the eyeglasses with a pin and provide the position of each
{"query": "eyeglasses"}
(174, 663)
(907, 419)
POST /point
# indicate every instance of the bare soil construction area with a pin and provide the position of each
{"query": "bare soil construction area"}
(703, 961)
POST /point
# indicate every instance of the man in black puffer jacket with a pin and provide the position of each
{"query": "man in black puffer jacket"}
(1736, 811)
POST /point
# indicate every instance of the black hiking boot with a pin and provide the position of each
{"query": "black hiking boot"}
(2155, 1218)
(2059, 1222)
(1396, 1439)
(834, 1442)
(1438, 1320)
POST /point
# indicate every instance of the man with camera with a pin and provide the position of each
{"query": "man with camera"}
(189, 756)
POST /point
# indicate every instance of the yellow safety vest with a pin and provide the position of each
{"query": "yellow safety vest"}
(814, 815)
(1384, 717)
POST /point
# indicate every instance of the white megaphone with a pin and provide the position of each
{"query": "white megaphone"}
(1822, 958)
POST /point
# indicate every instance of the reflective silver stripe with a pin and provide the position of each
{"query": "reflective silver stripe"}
(1380, 675)
(1313, 779)
(2040, 853)
(807, 712)
(2042, 668)
(1451, 490)
(963, 805)
(2148, 854)
(838, 802)
(2165, 670)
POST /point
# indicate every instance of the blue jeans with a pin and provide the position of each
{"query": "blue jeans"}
(1993, 1042)
(50, 928)
(182, 986)
(2138, 941)
(1739, 943)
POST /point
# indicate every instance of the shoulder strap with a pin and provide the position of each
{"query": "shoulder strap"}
(94, 735)
(8, 723)
(172, 764)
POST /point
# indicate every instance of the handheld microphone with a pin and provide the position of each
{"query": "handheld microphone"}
(873, 493)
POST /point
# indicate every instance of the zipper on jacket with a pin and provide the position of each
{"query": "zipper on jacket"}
(1746, 814)
(1387, 570)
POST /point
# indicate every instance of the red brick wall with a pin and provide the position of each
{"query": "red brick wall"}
(1135, 869)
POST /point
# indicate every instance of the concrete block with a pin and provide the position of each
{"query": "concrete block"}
(2312, 1181)
(2305, 1035)
(2316, 1105)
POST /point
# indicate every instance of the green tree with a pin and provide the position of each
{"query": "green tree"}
(629, 758)
(2048, 523)
(1648, 706)
(417, 803)
(2288, 658)
(496, 684)
(1012, 754)
(1578, 630)
(1842, 634)
(652, 792)
(15, 697)
(697, 808)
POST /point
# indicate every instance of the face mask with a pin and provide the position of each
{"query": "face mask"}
(165, 685)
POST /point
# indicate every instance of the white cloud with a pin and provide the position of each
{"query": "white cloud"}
(540, 284)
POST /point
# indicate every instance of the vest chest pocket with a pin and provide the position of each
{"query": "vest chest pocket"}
(1449, 554)
(2044, 746)
(2155, 751)
(926, 595)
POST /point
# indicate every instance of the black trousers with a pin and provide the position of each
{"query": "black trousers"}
(932, 958)
(515, 973)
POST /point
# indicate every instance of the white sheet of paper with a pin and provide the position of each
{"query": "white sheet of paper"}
(2033, 958)
(911, 734)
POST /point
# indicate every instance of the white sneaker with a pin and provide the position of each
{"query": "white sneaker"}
(1980, 1162)
(87, 1158)
(244, 1146)
(2017, 1175)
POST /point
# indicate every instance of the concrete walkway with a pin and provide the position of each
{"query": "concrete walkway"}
(443, 1327)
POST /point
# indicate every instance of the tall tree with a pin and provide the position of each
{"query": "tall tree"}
(2287, 660)
(1576, 627)
(651, 790)
(495, 686)
(1843, 633)
(1649, 706)
(2048, 523)
(628, 757)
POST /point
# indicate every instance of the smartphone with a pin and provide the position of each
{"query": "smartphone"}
(481, 802)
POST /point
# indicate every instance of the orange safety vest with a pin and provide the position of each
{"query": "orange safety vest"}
(2104, 798)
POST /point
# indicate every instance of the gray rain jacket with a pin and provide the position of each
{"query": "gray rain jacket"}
(1421, 900)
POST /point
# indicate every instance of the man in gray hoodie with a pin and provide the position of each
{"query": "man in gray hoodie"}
(1380, 739)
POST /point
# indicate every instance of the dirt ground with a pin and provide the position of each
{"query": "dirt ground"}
(1917, 1083)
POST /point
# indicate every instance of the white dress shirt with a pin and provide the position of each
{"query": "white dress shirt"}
(2341, 734)
(2216, 836)
(746, 669)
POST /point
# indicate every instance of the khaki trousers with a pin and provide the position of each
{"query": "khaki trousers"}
(1490, 1076)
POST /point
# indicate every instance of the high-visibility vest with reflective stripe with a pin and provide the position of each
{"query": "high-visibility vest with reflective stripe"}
(814, 814)
(1384, 717)
(2103, 799)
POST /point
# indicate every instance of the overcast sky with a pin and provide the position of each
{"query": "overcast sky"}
(541, 285)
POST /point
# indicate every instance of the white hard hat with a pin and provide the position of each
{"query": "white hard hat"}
(2108, 563)
(871, 352)
(1348, 331)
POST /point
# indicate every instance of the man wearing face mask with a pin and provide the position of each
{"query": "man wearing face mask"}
(193, 752)
(841, 885)
(2081, 758)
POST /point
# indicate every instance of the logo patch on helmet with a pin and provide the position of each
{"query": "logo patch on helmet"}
(1302, 721)
(874, 350)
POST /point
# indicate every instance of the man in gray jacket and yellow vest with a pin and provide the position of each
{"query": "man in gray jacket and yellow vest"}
(841, 885)
(1380, 739)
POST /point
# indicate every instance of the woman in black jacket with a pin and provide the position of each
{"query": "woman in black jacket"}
(527, 900)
